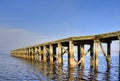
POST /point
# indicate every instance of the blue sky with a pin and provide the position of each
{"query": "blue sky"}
(45, 20)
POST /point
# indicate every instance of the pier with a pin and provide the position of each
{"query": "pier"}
(53, 51)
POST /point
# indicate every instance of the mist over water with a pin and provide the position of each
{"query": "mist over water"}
(18, 69)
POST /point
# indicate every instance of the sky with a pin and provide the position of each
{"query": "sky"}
(28, 22)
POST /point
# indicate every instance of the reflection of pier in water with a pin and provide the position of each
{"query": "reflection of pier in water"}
(48, 72)
(54, 51)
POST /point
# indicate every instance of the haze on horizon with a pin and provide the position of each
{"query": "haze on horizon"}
(27, 22)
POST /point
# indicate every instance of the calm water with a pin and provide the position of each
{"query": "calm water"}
(16, 69)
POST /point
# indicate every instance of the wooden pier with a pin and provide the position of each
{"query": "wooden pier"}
(53, 51)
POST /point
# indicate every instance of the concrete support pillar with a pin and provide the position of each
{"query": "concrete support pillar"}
(71, 54)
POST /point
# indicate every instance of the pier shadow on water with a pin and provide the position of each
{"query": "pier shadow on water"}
(53, 72)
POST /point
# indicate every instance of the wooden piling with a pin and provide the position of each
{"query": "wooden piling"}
(40, 53)
(119, 43)
(44, 54)
(27, 53)
(108, 53)
(51, 54)
(78, 50)
(32, 53)
(119, 46)
(96, 55)
(71, 74)
(59, 54)
(91, 55)
(71, 54)
(82, 55)
(119, 51)
(54, 53)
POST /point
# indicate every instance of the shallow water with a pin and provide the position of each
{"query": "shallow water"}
(17, 69)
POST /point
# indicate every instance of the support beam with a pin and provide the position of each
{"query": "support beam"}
(71, 54)
(36, 53)
(91, 55)
(119, 46)
(59, 54)
(40, 54)
(87, 52)
(54, 53)
(32, 53)
(44, 54)
(81, 60)
(82, 55)
(65, 51)
(119, 43)
(29, 55)
(78, 63)
(105, 55)
(108, 53)
(96, 55)
(51, 54)
(78, 50)
(119, 52)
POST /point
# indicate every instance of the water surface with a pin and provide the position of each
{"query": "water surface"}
(17, 69)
